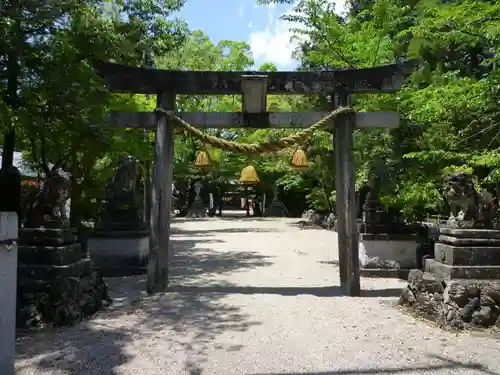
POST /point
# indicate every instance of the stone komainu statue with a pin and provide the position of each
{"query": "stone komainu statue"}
(50, 202)
(466, 204)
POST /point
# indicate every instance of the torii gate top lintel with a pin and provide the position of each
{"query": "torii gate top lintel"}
(140, 80)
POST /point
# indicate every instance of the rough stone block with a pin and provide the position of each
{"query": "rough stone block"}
(453, 303)
(61, 301)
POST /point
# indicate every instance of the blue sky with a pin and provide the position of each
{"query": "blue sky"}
(243, 20)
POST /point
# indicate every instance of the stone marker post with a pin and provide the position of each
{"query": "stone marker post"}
(8, 289)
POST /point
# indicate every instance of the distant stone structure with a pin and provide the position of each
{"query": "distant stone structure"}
(387, 245)
(119, 243)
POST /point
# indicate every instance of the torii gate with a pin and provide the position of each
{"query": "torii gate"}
(254, 87)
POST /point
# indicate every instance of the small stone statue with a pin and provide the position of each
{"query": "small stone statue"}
(197, 208)
(468, 207)
(49, 207)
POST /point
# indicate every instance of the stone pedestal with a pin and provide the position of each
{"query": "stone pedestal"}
(119, 245)
(8, 277)
(387, 255)
(120, 253)
(466, 254)
(57, 283)
(461, 285)
(387, 247)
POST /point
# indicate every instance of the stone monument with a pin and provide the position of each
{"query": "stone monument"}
(276, 208)
(461, 285)
(197, 209)
(387, 246)
(119, 243)
(57, 282)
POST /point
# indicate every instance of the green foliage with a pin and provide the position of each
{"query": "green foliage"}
(450, 109)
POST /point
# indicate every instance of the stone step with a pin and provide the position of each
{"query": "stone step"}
(467, 255)
(46, 236)
(50, 255)
(470, 233)
(447, 272)
(81, 268)
(455, 241)
(120, 233)
(386, 273)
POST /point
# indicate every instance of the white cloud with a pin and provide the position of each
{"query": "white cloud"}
(241, 10)
(250, 25)
(274, 43)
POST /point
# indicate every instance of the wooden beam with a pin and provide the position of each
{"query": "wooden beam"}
(214, 120)
(140, 80)
(161, 199)
(345, 187)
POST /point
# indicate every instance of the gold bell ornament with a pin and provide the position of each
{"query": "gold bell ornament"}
(299, 160)
(248, 175)
(202, 160)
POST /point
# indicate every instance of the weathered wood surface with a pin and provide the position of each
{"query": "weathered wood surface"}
(346, 201)
(139, 80)
(147, 191)
(161, 200)
(213, 120)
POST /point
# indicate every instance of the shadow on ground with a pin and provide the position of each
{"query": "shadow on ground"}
(192, 263)
(181, 324)
(196, 232)
(447, 364)
(333, 291)
(228, 217)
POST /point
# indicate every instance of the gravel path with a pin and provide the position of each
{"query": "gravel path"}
(254, 297)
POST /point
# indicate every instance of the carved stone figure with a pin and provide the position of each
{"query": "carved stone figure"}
(50, 203)
(120, 209)
(466, 204)
(125, 179)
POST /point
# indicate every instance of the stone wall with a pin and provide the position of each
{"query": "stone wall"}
(455, 304)
(57, 281)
